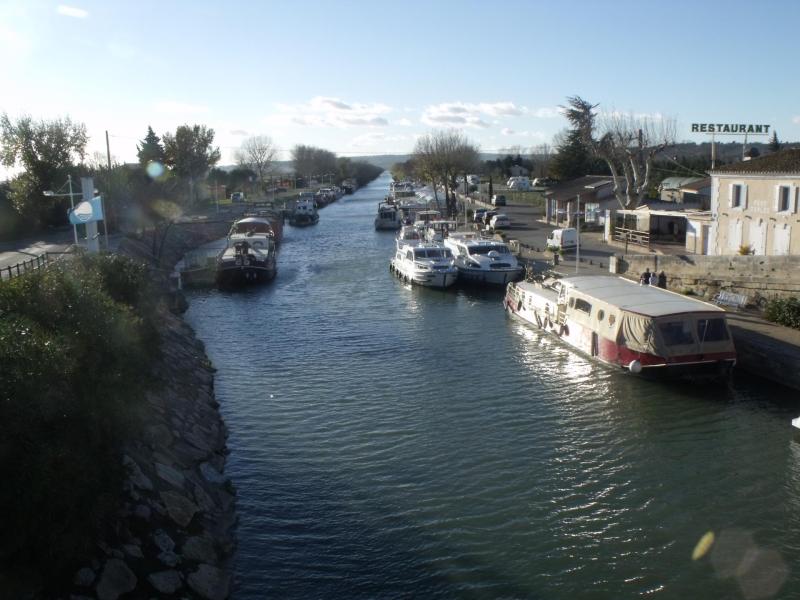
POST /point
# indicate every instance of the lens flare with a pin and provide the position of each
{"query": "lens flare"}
(155, 169)
(703, 546)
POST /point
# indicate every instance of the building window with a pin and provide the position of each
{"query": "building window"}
(736, 195)
(784, 198)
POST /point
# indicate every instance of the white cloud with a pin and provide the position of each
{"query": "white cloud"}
(71, 11)
(465, 114)
(618, 114)
(404, 122)
(796, 120)
(507, 131)
(546, 113)
(171, 107)
(239, 132)
(323, 111)
(375, 138)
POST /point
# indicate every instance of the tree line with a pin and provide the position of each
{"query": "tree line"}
(175, 172)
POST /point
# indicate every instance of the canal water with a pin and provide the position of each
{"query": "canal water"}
(396, 442)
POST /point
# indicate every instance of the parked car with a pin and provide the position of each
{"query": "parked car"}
(544, 182)
(237, 197)
(500, 221)
(563, 239)
(498, 200)
(520, 185)
(487, 216)
(477, 217)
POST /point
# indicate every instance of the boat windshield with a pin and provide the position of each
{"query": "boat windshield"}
(486, 248)
(432, 253)
(250, 228)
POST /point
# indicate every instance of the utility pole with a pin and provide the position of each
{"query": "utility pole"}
(102, 202)
(578, 241)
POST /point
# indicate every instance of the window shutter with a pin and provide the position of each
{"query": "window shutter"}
(744, 196)
(730, 195)
(777, 202)
(796, 199)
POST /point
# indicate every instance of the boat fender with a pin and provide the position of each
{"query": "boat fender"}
(519, 305)
(563, 330)
(635, 367)
(538, 320)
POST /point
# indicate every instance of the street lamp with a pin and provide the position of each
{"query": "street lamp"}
(51, 194)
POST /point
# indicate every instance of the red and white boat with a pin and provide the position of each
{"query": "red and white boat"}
(643, 329)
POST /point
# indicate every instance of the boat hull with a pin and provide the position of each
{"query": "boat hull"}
(243, 275)
(485, 277)
(435, 279)
(303, 220)
(697, 367)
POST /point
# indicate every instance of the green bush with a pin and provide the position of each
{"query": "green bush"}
(75, 341)
(784, 311)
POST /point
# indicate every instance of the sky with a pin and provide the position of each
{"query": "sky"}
(371, 77)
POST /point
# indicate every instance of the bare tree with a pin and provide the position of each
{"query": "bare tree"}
(442, 156)
(257, 154)
(627, 143)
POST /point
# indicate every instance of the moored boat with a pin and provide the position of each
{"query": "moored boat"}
(643, 329)
(304, 213)
(424, 263)
(388, 218)
(482, 261)
(250, 254)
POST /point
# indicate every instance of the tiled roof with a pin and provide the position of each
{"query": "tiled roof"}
(570, 189)
(782, 162)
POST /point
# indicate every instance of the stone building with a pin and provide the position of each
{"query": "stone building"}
(754, 206)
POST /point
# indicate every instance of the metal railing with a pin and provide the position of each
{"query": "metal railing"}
(35, 263)
(632, 236)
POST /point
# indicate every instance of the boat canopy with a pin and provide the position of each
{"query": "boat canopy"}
(252, 225)
(630, 296)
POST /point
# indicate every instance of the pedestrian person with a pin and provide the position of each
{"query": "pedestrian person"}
(662, 280)
(644, 278)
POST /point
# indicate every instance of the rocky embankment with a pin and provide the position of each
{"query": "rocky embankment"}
(175, 530)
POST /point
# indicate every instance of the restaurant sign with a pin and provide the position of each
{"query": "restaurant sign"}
(730, 128)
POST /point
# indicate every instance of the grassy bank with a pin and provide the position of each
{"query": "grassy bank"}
(76, 341)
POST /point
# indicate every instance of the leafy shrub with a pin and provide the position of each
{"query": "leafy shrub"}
(745, 249)
(784, 311)
(75, 341)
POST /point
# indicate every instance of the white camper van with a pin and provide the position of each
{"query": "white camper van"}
(564, 239)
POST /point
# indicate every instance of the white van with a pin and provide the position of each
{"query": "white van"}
(522, 184)
(474, 179)
(564, 239)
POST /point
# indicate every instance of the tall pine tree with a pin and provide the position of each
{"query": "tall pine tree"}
(572, 159)
(150, 150)
(774, 144)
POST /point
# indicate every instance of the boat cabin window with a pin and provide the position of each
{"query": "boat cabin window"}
(432, 253)
(601, 314)
(409, 255)
(485, 249)
(582, 305)
(252, 228)
(676, 333)
(711, 330)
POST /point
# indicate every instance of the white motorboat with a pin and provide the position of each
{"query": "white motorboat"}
(250, 254)
(483, 261)
(427, 264)
(305, 211)
(409, 235)
(643, 329)
(389, 217)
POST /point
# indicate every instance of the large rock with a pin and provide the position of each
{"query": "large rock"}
(117, 579)
(199, 549)
(84, 577)
(211, 583)
(163, 541)
(135, 474)
(170, 475)
(179, 508)
(166, 582)
(212, 475)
